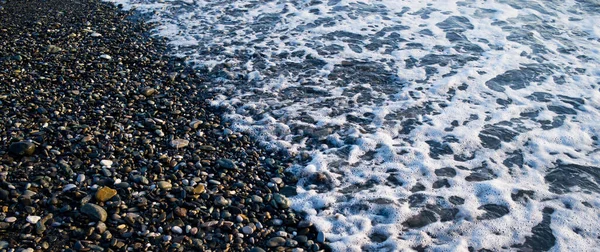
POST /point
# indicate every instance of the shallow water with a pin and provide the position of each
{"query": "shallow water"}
(438, 125)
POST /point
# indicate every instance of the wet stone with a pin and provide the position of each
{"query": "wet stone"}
(281, 201)
(276, 242)
(492, 211)
(23, 148)
(446, 172)
(422, 219)
(94, 211)
(227, 164)
(179, 143)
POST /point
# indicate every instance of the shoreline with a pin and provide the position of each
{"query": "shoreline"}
(108, 145)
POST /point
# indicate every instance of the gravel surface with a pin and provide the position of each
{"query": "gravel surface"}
(106, 144)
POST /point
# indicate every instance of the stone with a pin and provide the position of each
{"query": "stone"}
(304, 224)
(10, 219)
(282, 201)
(177, 230)
(100, 227)
(227, 164)
(179, 143)
(69, 187)
(181, 212)
(195, 124)
(105, 57)
(198, 189)
(276, 242)
(247, 230)
(164, 185)
(105, 193)
(148, 91)
(321, 237)
(53, 49)
(33, 219)
(97, 213)
(106, 162)
(22, 148)
(221, 201)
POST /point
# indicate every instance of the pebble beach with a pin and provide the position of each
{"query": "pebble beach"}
(108, 144)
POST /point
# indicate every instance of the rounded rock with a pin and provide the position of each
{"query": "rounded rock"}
(22, 148)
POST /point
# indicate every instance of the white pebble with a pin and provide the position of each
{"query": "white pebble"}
(106, 162)
(33, 219)
(80, 178)
(177, 230)
(69, 187)
(10, 219)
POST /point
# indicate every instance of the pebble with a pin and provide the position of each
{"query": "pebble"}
(276, 242)
(22, 148)
(195, 124)
(69, 187)
(282, 201)
(80, 178)
(198, 189)
(95, 35)
(10, 219)
(321, 237)
(105, 56)
(179, 143)
(247, 230)
(227, 164)
(177, 230)
(164, 185)
(105, 193)
(94, 211)
(33, 219)
(221, 201)
(106, 162)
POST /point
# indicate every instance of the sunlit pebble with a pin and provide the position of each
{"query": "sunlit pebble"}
(69, 187)
(117, 181)
(80, 178)
(177, 229)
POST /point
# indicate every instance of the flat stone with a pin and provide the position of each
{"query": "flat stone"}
(105, 56)
(148, 91)
(276, 242)
(227, 164)
(247, 230)
(179, 143)
(10, 219)
(305, 224)
(94, 211)
(164, 185)
(106, 162)
(105, 193)
(22, 148)
(33, 219)
(195, 124)
(69, 187)
(199, 189)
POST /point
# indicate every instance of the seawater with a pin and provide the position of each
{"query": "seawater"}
(416, 125)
